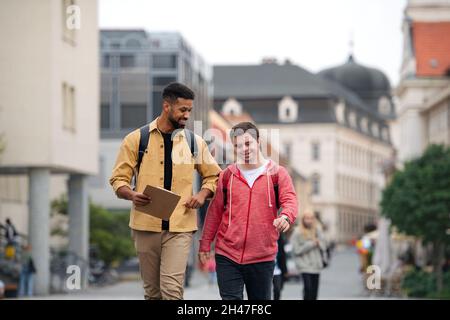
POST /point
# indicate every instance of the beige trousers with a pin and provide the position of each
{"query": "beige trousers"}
(162, 261)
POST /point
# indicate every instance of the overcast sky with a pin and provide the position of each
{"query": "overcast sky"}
(312, 33)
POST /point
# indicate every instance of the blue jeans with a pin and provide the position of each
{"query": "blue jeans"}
(26, 284)
(232, 276)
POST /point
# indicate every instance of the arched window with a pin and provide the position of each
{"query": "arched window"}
(340, 111)
(232, 107)
(384, 106)
(287, 110)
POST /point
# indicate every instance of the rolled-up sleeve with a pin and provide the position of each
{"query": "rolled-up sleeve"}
(208, 168)
(126, 161)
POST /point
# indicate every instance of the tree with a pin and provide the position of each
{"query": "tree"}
(418, 202)
(108, 231)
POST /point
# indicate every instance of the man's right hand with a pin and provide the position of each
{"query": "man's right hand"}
(203, 257)
(140, 199)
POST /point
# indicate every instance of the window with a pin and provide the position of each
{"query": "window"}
(315, 151)
(288, 150)
(340, 111)
(364, 125)
(157, 103)
(133, 115)
(106, 61)
(287, 110)
(133, 43)
(232, 107)
(164, 61)
(315, 181)
(352, 119)
(375, 129)
(384, 106)
(68, 103)
(127, 61)
(105, 122)
(163, 81)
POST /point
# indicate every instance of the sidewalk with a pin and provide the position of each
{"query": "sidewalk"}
(341, 281)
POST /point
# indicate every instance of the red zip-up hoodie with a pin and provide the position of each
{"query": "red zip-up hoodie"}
(244, 231)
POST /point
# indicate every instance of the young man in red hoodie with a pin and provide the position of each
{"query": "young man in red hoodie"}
(243, 218)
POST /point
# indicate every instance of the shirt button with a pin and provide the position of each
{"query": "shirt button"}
(161, 162)
(161, 146)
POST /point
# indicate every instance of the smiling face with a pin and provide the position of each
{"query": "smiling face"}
(246, 149)
(178, 112)
(308, 219)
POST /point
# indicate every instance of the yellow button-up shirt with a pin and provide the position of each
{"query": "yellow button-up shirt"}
(152, 173)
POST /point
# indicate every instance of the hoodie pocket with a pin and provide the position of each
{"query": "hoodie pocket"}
(234, 236)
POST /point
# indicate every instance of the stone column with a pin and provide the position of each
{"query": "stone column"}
(38, 227)
(78, 210)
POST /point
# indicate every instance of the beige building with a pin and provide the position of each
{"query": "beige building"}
(424, 90)
(49, 119)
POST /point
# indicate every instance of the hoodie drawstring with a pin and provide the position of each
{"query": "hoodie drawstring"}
(231, 198)
(268, 190)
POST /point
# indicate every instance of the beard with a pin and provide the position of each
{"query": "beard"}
(175, 123)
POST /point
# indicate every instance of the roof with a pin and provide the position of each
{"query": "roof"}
(273, 80)
(265, 80)
(432, 48)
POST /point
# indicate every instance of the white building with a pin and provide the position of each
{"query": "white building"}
(424, 89)
(48, 118)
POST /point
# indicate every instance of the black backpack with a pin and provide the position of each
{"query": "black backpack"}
(145, 140)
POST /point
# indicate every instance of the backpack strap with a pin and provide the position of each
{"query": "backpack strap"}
(275, 188)
(225, 179)
(143, 145)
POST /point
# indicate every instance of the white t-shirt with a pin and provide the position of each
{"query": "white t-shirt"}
(251, 175)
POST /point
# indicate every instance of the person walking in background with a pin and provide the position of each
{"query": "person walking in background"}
(27, 272)
(309, 247)
(243, 218)
(10, 232)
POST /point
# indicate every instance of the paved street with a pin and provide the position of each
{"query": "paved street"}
(340, 281)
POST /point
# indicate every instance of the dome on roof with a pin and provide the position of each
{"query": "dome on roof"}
(369, 84)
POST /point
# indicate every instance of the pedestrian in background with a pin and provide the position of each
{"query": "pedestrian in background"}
(309, 247)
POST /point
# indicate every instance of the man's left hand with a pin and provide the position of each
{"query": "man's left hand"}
(281, 224)
(195, 202)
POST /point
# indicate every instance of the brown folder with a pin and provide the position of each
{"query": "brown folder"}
(163, 202)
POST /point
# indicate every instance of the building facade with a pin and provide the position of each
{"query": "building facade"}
(333, 128)
(424, 90)
(48, 120)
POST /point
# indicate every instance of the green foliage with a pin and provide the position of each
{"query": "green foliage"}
(109, 233)
(421, 284)
(418, 199)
